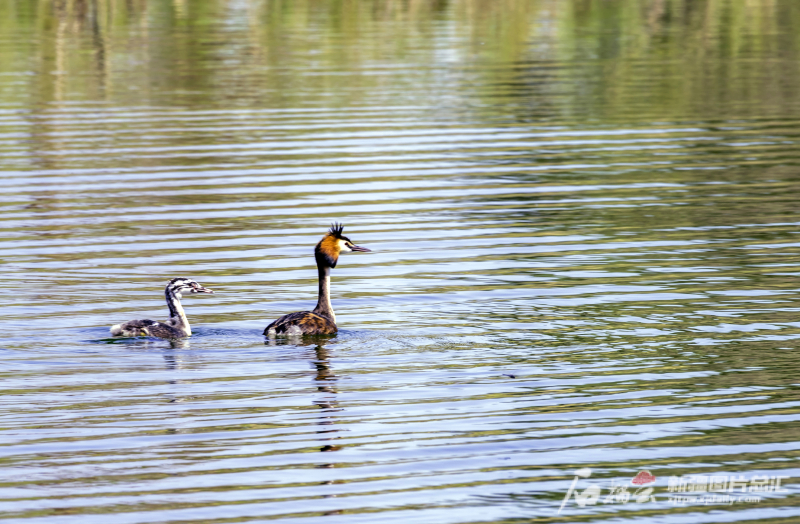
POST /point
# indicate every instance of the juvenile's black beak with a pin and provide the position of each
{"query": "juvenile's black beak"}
(359, 248)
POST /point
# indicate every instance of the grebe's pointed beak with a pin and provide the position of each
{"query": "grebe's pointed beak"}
(202, 289)
(362, 249)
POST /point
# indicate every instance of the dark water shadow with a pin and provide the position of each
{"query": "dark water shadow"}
(327, 401)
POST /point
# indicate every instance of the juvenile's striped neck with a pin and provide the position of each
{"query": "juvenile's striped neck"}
(177, 317)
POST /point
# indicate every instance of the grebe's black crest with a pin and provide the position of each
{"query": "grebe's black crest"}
(336, 230)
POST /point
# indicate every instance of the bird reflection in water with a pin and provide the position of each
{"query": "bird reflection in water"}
(326, 385)
(328, 404)
(177, 362)
(326, 400)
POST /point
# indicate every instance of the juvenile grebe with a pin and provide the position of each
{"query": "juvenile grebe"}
(177, 326)
(320, 321)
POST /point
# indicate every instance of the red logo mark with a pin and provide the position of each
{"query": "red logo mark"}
(643, 477)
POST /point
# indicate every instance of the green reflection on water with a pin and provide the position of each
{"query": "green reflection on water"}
(582, 59)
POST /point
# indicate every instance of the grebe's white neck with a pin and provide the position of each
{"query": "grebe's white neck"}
(324, 307)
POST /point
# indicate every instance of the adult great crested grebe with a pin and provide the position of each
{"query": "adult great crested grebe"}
(177, 326)
(321, 320)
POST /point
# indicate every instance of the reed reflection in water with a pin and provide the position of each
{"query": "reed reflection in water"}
(585, 229)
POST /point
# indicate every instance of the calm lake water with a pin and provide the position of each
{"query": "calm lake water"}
(586, 230)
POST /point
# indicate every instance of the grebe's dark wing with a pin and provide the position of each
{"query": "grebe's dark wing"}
(133, 328)
(161, 330)
(146, 328)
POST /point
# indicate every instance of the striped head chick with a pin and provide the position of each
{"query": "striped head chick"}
(333, 243)
(177, 286)
(177, 326)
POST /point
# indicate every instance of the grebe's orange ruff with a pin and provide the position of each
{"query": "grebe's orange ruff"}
(321, 320)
